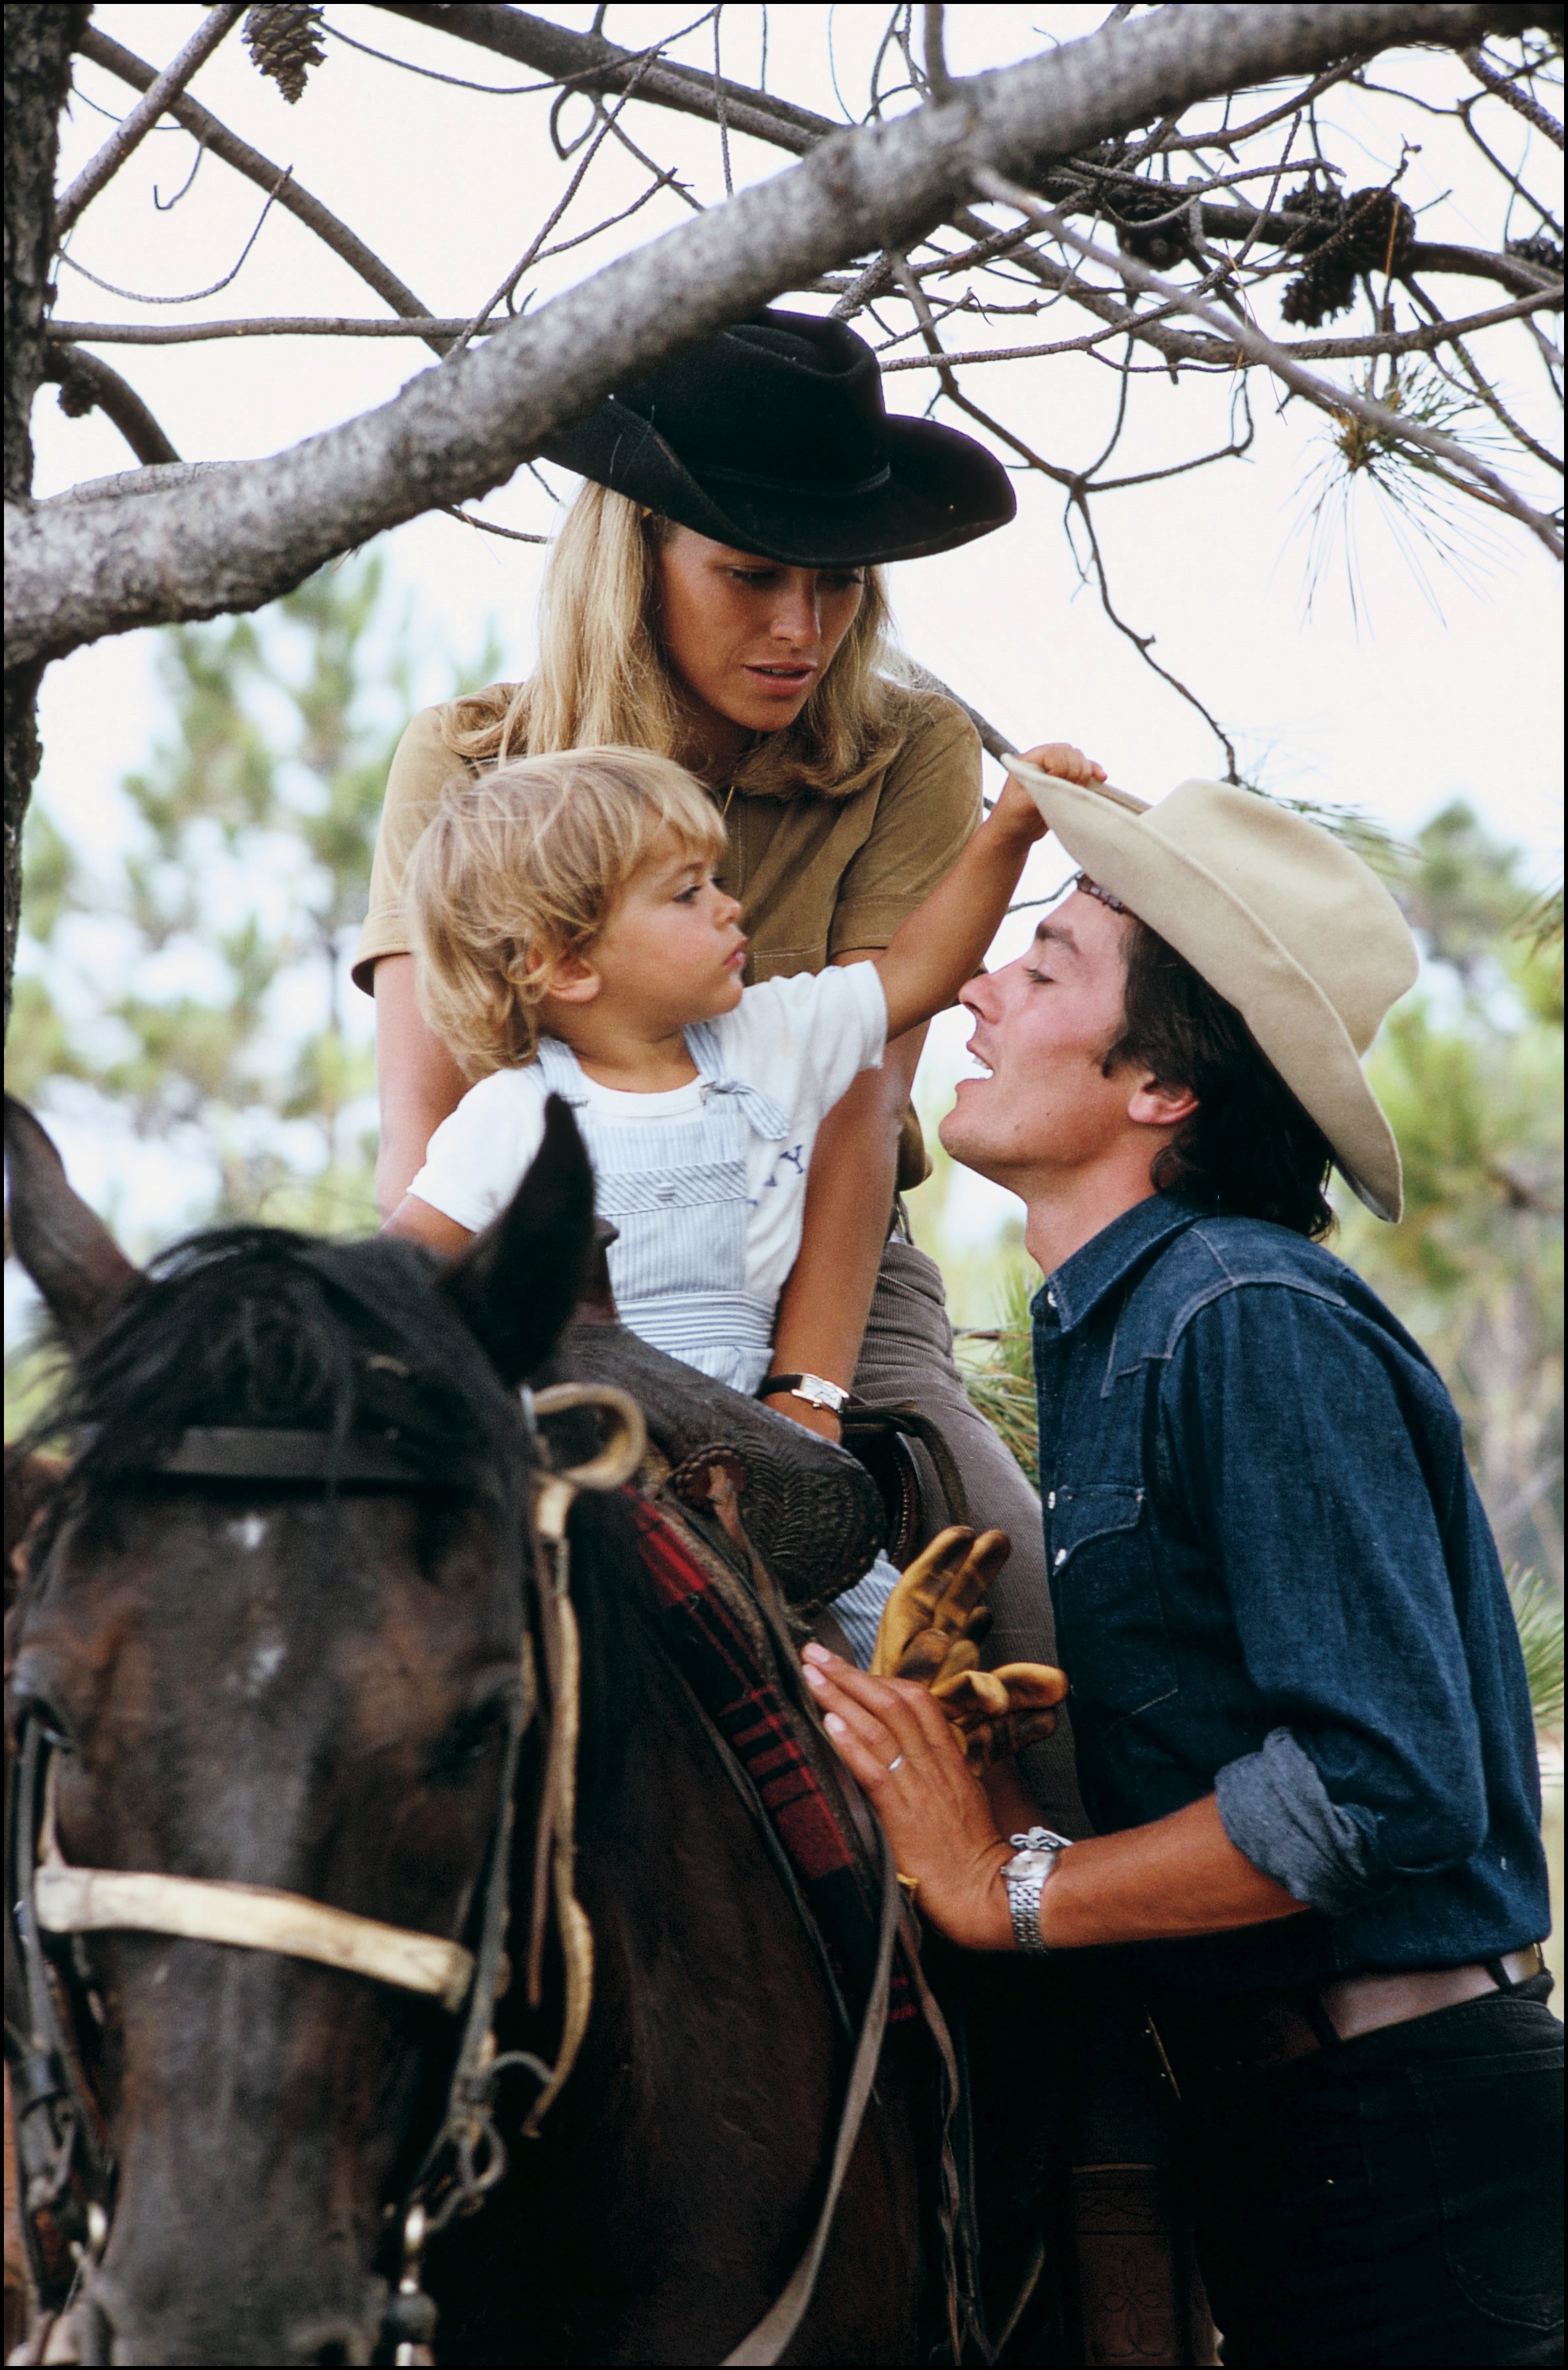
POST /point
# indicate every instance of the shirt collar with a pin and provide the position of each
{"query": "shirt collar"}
(1076, 1288)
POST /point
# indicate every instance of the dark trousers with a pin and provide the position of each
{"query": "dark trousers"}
(1397, 2199)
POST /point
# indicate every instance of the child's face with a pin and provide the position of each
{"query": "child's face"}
(672, 951)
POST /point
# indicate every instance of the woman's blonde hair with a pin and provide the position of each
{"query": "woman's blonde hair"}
(525, 865)
(603, 675)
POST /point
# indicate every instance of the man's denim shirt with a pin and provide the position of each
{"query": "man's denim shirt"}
(1273, 1581)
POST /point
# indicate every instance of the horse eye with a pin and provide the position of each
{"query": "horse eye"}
(467, 1744)
(29, 1701)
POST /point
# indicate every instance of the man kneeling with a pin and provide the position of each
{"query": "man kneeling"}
(1303, 1727)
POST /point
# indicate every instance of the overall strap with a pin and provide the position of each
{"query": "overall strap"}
(558, 1068)
(761, 1115)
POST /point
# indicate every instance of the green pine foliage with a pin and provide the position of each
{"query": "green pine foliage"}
(192, 986)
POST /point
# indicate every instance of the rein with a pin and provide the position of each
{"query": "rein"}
(58, 2129)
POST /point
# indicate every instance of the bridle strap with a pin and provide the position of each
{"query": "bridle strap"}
(69, 1900)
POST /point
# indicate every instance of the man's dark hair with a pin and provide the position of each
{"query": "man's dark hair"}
(1248, 1149)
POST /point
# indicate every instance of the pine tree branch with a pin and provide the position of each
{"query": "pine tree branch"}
(85, 383)
(1336, 401)
(1521, 101)
(1390, 341)
(242, 538)
(103, 52)
(588, 62)
(132, 130)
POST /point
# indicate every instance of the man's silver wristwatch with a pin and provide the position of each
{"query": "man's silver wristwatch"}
(1026, 1878)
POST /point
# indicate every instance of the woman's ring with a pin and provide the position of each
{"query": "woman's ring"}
(896, 1765)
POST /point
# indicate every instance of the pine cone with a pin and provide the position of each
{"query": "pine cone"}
(1374, 232)
(1539, 249)
(283, 42)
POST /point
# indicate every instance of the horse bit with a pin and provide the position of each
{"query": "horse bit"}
(57, 2129)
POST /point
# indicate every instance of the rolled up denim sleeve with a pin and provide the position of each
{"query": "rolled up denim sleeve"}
(1289, 1429)
(1276, 1807)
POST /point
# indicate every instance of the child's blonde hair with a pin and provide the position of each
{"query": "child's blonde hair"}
(525, 865)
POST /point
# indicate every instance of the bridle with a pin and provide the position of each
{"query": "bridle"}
(66, 2167)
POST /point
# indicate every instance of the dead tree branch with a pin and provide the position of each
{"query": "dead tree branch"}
(588, 62)
(129, 134)
(1503, 88)
(343, 242)
(87, 384)
(1391, 341)
(1336, 401)
(455, 433)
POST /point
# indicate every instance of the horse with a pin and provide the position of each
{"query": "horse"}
(287, 1628)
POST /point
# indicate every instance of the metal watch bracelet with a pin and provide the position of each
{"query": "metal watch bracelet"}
(1026, 1878)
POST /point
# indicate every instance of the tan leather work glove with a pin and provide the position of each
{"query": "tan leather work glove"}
(932, 1624)
(930, 1630)
(999, 1712)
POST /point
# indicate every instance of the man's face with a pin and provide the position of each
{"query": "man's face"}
(1043, 1027)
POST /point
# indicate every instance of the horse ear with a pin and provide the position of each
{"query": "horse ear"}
(70, 1254)
(520, 1280)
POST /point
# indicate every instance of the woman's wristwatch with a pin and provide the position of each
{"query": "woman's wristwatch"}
(1027, 1877)
(815, 1389)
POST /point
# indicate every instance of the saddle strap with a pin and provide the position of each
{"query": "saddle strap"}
(768, 2341)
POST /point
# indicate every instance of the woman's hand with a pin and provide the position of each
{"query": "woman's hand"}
(936, 1815)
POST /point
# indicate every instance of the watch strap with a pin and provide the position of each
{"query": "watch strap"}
(815, 1389)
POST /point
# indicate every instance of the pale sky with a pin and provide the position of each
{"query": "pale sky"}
(1423, 699)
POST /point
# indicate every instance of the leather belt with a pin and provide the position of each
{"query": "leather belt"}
(1203, 2038)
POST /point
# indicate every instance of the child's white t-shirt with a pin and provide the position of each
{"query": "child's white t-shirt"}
(803, 1041)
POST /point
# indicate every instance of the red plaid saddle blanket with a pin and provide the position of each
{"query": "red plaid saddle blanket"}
(744, 1702)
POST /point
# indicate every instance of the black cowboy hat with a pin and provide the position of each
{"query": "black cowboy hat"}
(771, 437)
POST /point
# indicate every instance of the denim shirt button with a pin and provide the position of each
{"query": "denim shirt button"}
(1061, 1556)
(1050, 1299)
(1051, 1502)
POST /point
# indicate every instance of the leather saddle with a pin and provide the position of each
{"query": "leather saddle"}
(812, 1512)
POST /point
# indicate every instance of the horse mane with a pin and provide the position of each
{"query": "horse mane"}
(259, 1327)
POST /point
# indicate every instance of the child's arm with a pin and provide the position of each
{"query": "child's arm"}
(944, 941)
(432, 1227)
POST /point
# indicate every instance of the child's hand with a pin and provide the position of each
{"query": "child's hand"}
(1069, 765)
(1016, 811)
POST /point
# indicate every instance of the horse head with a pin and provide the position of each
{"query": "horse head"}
(246, 1665)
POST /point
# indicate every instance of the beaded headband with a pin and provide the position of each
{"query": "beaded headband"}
(1092, 889)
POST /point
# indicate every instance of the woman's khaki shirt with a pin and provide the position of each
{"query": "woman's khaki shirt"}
(816, 877)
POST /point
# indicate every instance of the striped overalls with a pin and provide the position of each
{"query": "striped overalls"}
(676, 1190)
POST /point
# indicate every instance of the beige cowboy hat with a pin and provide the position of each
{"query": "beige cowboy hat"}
(1279, 918)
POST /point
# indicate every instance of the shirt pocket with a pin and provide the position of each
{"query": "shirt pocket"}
(1111, 1628)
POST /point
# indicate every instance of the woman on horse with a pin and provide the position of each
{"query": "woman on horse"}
(715, 596)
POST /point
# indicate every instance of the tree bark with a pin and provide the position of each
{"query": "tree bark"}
(250, 533)
(87, 382)
(38, 74)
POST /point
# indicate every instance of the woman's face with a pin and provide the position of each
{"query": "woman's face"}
(747, 640)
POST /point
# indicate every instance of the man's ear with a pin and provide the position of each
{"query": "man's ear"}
(1154, 1104)
(519, 1281)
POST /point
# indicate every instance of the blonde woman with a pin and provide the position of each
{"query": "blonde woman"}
(714, 596)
